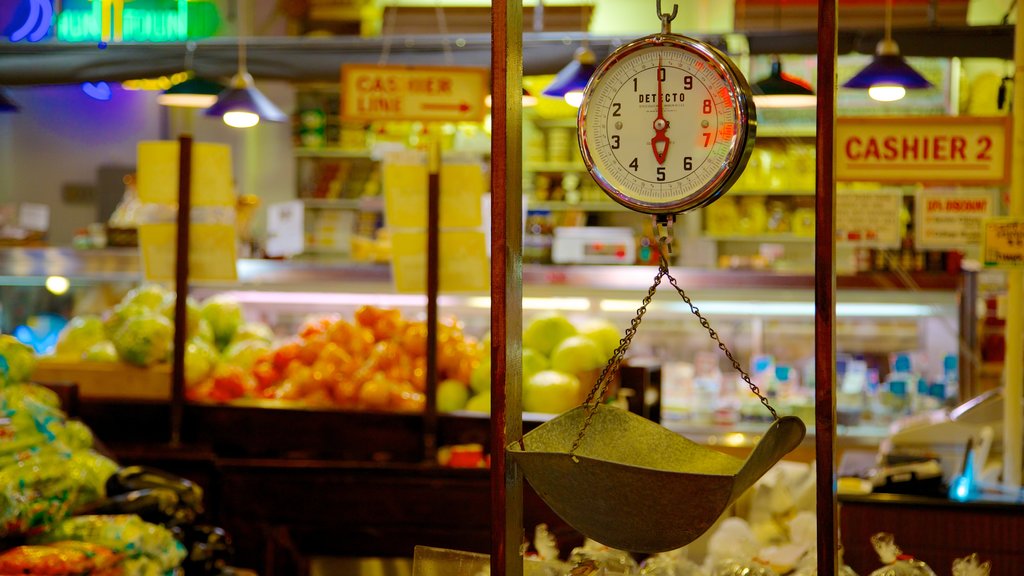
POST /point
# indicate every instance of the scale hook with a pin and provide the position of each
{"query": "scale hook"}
(666, 19)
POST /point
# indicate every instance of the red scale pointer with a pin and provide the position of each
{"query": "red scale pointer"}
(660, 126)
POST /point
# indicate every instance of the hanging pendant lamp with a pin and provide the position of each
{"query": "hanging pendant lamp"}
(781, 90)
(6, 104)
(192, 93)
(242, 105)
(888, 77)
(571, 80)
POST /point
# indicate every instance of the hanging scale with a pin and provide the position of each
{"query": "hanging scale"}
(666, 126)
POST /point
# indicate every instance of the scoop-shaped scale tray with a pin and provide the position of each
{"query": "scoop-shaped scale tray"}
(635, 485)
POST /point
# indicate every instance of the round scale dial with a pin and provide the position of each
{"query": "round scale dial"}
(666, 124)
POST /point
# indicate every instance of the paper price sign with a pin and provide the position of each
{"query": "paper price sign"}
(868, 218)
(951, 220)
(1004, 243)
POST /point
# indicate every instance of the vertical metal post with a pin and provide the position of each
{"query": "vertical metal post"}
(506, 283)
(824, 293)
(181, 286)
(969, 367)
(433, 243)
(1013, 387)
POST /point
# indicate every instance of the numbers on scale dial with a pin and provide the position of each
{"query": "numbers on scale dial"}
(662, 112)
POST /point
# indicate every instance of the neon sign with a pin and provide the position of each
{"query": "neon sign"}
(37, 23)
(111, 21)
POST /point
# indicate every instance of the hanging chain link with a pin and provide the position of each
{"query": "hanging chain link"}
(721, 345)
(596, 395)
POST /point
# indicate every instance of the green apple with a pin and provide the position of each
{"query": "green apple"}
(200, 360)
(605, 334)
(452, 395)
(533, 362)
(480, 377)
(551, 391)
(102, 351)
(577, 354)
(546, 331)
(480, 403)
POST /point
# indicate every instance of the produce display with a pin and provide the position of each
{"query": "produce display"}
(375, 361)
(561, 362)
(139, 330)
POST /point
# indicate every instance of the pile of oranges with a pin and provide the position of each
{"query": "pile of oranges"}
(376, 362)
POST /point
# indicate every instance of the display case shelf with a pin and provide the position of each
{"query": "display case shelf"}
(333, 153)
(366, 204)
(33, 265)
(555, 206)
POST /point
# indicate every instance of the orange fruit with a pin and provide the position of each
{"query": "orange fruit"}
(375, 394)
(367, 315)
(414, 339)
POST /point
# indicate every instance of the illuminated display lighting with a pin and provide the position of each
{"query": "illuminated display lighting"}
(112, 20)
(156, 84)
(99, 91)
(37, 23)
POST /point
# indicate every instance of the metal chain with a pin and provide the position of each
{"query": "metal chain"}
(721, 345)
(596, 395)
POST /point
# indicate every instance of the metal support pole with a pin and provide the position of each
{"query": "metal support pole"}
(969, 367)
(1013, 388)
(181, 287)
(506, 283)
(433, 266)
(824, 294)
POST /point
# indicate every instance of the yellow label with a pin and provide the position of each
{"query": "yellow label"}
(405, 193)
(1004, 243)
(211, 256)
(404, 176)
(158, 167)
(462, 256)
(462, 188)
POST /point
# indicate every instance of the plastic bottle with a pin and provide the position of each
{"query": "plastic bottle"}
(901, 382)
(707, 387)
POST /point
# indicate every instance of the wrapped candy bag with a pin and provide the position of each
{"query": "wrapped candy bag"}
(544, 561)
(733, 541)
(35, 493)
(596, 558)
(896, 562)
(61, 559)
(147, 547)
(971, 566)
(741, 568)
(671, 563)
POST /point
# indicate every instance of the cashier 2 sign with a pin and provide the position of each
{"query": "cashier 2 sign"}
(947, 150)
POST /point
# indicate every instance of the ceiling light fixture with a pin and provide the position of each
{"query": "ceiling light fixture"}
(888, 77)
(781, 90)
(571, 80)
(6, 104)
(192, 93)
(242, 105)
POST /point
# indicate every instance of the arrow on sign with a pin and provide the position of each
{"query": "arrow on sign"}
(460, 106)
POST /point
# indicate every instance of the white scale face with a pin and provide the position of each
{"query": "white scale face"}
(666, 124)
